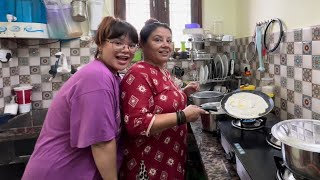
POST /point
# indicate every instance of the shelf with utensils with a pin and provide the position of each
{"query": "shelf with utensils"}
(215, 80)
(201, 59)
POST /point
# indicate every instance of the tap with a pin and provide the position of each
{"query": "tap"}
(60, 66)
(53, 70)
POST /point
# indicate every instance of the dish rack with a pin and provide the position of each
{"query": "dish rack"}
(215, 70)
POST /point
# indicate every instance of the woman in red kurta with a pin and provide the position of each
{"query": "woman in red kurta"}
(155, 136)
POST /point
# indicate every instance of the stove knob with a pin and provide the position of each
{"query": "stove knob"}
(231, 157)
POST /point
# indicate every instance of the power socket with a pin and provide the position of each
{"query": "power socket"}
(5, 55)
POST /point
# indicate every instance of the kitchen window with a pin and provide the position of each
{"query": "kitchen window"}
(176, 13)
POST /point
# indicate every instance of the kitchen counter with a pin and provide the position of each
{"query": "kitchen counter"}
(216, 166)
(23, 126)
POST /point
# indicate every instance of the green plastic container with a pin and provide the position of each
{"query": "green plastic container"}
(137, 56)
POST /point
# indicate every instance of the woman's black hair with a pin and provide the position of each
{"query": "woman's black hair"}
(149, 26)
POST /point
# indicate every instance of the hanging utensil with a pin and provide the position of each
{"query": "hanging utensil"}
(259, 47)
(251, 49)
(79, 10)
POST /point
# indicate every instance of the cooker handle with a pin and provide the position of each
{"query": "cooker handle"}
(209, 108)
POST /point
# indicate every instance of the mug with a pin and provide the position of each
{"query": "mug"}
(178, 71)
(23, 98)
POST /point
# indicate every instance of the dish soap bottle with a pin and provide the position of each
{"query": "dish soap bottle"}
(183, 52)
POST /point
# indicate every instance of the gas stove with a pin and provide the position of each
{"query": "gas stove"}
(248, 149)
(249, 124)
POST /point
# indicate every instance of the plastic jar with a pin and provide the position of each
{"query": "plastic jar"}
(60, 23)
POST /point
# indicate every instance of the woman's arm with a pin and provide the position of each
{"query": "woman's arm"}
(168, 120)
(105, 157)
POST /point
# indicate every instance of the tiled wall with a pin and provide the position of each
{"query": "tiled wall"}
(31, 64)
(295, 67)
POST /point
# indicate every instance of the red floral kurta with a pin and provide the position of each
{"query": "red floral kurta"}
(147, 91)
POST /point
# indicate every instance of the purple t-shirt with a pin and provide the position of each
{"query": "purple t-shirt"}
(85, 111)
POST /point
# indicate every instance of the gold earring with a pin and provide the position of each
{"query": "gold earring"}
(99, 53)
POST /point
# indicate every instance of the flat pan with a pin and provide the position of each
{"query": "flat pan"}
(268, 100)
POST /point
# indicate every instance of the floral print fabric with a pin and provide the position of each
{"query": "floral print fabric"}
(146, 92)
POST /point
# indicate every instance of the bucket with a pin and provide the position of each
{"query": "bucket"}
(23, 98)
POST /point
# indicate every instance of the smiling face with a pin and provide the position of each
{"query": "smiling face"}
(115, 58)
(158, 47)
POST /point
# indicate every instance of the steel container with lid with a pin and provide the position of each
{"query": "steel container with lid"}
(300, 139)
(209, 121)
(202, 97)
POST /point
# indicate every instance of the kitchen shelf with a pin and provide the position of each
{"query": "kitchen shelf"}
(215, 80)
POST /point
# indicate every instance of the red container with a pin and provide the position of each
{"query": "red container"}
(23, 94)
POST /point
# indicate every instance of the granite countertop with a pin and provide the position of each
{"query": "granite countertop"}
(216, 166)
(23, 126)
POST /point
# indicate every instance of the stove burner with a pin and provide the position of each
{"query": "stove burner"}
(272, 141)
(248, 124)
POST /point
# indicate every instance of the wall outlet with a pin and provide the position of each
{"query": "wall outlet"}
(5, 55)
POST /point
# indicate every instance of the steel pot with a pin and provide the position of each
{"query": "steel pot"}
(209, 121)
(202, 97)
(300, 139)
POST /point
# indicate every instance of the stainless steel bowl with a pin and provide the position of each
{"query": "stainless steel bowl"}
(300, 139)
(202, 97)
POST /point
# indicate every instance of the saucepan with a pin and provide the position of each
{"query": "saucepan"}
(267, 99)
(300, 146)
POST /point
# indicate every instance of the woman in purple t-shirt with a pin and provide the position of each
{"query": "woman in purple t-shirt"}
(80, 135)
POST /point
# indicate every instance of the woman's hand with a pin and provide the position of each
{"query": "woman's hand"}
(193, 112)
(191, 88)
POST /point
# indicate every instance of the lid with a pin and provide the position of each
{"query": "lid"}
(299, 133)
(21, 88)
(207, 94)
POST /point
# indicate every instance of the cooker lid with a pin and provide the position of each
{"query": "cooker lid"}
(299, 133)
(207, 94)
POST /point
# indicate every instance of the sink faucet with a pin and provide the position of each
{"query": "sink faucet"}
(53, 69)
(60, 66)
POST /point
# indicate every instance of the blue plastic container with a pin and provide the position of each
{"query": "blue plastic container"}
(39, 15)
(7, 7)
(192, 25)
(4, 118)
(24, 10)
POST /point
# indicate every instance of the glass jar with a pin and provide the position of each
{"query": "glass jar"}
(267, 81)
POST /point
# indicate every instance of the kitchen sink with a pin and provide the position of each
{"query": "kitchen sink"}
(30, 119)
(19, 135)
